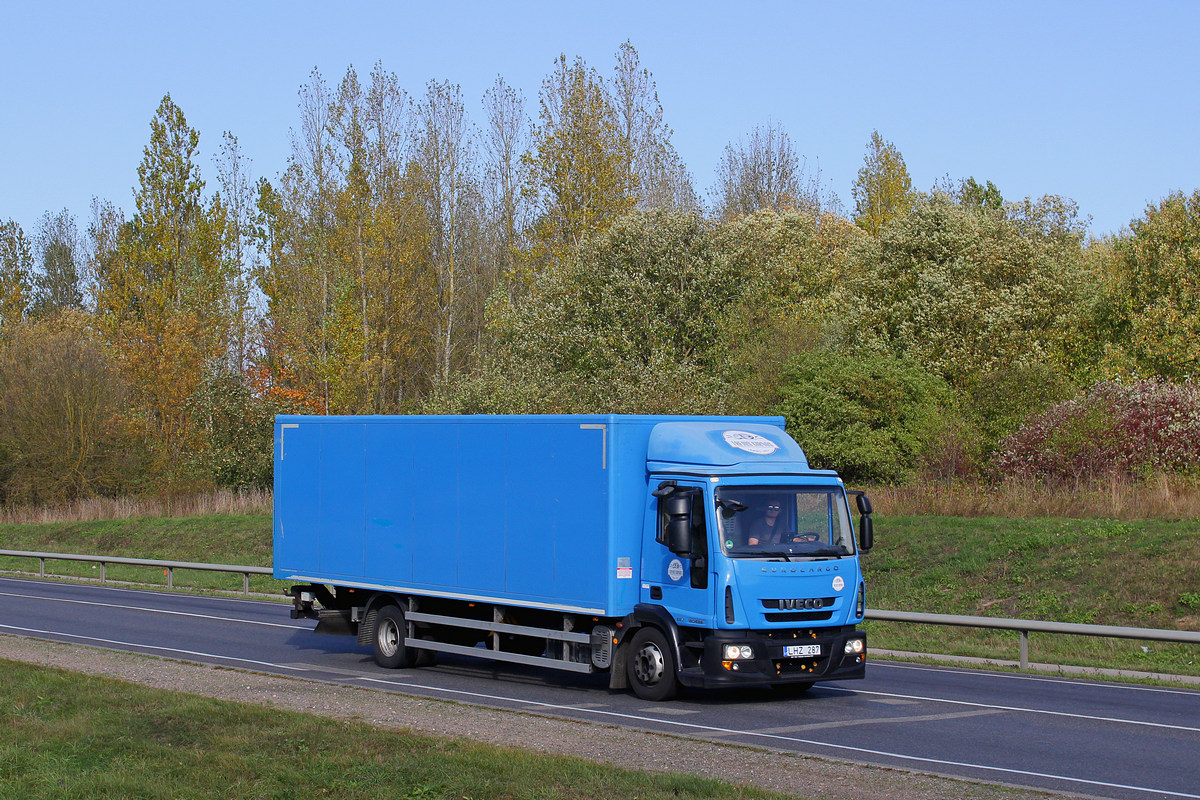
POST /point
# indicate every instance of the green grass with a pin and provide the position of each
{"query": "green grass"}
(71, 736)
(217, 539)
(1135, 573)
(1142, 574)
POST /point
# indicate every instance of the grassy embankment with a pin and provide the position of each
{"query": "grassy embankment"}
(1138, 573)
(72, 736)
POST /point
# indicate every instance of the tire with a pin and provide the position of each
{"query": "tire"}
(390, 630)
(651, 666)
(423, 658)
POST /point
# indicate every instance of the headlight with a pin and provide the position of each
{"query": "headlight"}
(854, 646)
(733, 652)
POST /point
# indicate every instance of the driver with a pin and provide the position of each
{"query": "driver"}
(767, 529)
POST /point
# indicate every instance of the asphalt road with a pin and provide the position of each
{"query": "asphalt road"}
(1060, 735)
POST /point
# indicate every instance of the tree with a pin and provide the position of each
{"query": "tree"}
(795, 264)
(656, 172)
(763, 172)
(505, 140)
(633, 323)
(963, 294)
(16, 264)
(56, 286)
(579, 163)
(883, 190)
(160, 292)
(1160, 271)
(237, 194)
(62, 405)
(972, 194)
(868, 417)
(445, 155)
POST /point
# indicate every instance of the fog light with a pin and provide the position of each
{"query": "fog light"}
(854, 646)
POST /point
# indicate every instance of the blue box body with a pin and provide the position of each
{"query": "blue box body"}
(539, 511)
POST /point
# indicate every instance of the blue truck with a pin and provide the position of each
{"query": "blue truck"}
(666, 551)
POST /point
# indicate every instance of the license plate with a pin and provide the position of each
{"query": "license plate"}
(801, 650)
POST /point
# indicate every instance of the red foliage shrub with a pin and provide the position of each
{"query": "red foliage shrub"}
(1114, 429)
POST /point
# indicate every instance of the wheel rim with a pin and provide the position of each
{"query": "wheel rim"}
(649, 665)
(389, 637)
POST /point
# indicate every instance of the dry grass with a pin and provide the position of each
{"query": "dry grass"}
(221, 501)
(1160, 497)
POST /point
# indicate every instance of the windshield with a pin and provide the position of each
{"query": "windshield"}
(766, 521)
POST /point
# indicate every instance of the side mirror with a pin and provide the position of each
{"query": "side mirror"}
(679, 524)
(866, 532)
(864, 504)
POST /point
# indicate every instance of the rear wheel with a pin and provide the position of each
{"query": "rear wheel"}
(651, 666)
(390, 630)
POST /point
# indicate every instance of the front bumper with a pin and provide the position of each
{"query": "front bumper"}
(771, 666)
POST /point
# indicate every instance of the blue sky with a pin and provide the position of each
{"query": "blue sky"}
(1095, 101)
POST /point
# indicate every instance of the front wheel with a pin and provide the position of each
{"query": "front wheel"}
(651, 666)
(390, 630)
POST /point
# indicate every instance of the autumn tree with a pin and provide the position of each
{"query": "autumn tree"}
(160, 291)
(347, 259)
(579, 161)
(883, 189)
(16, 264)
(62, 415)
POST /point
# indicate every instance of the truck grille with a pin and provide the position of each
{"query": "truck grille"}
(800, 603)
(799, 616)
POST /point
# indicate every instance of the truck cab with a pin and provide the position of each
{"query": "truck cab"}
(753, 558)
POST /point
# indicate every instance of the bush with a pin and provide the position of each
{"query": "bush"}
(1115, 429)
(871, 418)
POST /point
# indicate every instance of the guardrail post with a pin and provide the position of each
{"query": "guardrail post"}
(42, 569)
(245, 583)
(102, 568)
(170, 577)
(1024, 649)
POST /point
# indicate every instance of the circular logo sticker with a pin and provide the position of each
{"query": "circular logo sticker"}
(675, 569)
(750, 442)
(838, 584)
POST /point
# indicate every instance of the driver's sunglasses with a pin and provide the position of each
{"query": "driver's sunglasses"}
(774, 505)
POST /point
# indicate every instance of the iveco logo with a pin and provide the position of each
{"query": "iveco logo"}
(798, 603)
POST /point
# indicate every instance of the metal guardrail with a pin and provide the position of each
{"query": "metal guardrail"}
(1023, 626)
(169, 566)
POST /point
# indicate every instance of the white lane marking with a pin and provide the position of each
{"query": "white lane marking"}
(1082, 681)
(792, 739)
(1020, 709)
(164, 591)
(152, 647)
(150, 610)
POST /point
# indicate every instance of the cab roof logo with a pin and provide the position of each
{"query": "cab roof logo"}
(750, 442)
